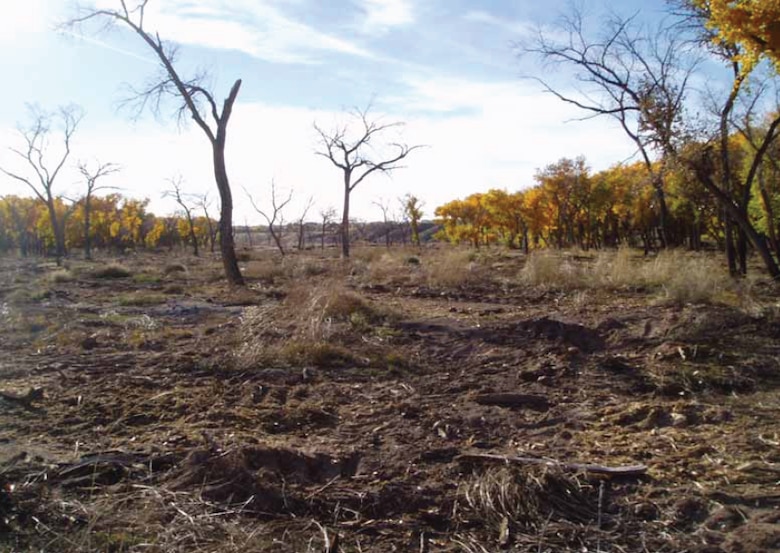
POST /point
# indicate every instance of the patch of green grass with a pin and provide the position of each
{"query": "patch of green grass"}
(146, 278)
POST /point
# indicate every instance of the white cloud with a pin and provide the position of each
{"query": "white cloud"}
(26, 17)
(381, 15)
(258, 28)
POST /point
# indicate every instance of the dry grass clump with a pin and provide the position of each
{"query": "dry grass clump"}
(112, 270)
(529, 505)
(174, 268)
(268, 271)
(450, 268)
(552, 269)
(680, 277)
(317, 324)
(61, 276)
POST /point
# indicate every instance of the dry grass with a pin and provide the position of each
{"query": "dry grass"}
(112, 270)
(679, 277)
(321, 324)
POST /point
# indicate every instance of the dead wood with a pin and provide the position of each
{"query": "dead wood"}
(623, 470)
(25, 401)
(514, 401)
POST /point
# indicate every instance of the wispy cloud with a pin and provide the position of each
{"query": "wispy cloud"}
(519, 28)
(259, 28)
(379, 16)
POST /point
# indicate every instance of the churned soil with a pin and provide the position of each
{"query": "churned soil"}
(478, 417)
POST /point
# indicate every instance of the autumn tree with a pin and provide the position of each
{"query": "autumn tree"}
(195, 100)
(638, 78)
(43, 162)
(412, 208)
(729, 29)
(352, 149)
(91, 177)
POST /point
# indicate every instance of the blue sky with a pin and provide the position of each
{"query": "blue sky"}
(445, 67)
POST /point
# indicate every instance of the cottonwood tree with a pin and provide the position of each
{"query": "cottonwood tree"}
(44, 163)
(91, 176)
(196, 101)
(637, 77)
(275, 216)
(412, 208)
(740, 46)
(175, 192)
(352, 149)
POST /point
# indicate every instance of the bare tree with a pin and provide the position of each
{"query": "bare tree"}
(326, 216)
(302, 222)
(637, 77)
(355, 157)
(387, 224)
(203, 202)
(91, 176)
(46, 165)
(179, 197)
(276, 215)
(196, 101)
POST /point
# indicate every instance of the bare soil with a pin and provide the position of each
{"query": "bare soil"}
(469, 420)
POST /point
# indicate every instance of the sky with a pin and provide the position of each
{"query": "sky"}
(447, 69)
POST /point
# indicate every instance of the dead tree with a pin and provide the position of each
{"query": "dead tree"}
(92, 176)
(44, 164)
(196, 101)
(203, 203)
(634, 76)
(387, 224)
(276, 215)
(302, 223)
(179, 197)
(326, 216)
(352, 153)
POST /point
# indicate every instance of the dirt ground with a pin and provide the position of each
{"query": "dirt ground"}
(161, 411)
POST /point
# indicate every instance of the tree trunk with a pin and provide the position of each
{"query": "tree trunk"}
(193, 237)
(744, 224)
(59, 235)
(226, 243)
(87, 237)
(345, 219)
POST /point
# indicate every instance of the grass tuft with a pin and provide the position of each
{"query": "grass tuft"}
(113, 270)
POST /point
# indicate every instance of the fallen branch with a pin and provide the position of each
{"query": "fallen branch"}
(515, 401)
(624, 470)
